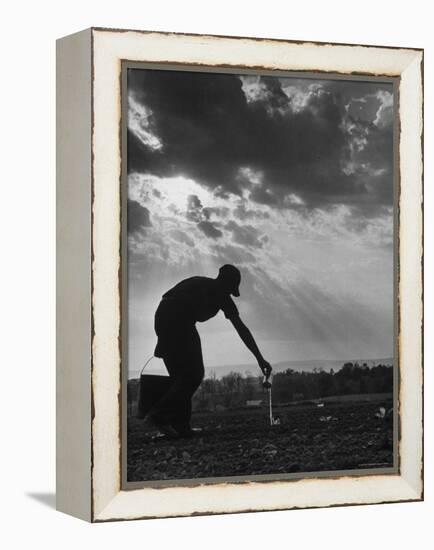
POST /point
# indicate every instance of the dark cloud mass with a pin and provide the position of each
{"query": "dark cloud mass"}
(242, 212)
(197, 213)
(210, 230)
(182, 237)
(336, 149)
(138, 217)
(194, 208)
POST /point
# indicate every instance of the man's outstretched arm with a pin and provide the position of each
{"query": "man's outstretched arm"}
(248, 339)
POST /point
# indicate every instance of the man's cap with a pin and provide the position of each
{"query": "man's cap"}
(230, 274)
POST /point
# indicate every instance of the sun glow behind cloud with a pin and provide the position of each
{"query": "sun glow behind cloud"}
(290, 180)
(303, 273)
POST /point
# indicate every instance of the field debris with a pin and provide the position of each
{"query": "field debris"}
(384, 414)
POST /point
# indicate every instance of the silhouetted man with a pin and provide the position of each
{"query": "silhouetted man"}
(193, 300)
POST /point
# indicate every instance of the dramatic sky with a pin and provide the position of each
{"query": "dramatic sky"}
(289, 179)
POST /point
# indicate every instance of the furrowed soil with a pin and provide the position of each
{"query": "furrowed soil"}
(340, 436)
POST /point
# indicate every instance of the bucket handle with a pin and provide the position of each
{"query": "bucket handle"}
(144, 366)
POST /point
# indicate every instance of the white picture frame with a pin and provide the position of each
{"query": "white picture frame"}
(89, 357)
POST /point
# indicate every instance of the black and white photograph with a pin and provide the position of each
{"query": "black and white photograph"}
(259, 274)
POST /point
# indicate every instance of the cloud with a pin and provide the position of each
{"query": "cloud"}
(141, 125)
(302, 135)
(244, 211)
(183, 213)
(197, 213)
(384, 115)
(215, 212)
(138, 217)
(244, 234)
(301, 94)
(289, 179)
(280, 96)
(182, 237)
(209, 230)
(254, 89)
(194, 208)
(320, 288)
(236, 255)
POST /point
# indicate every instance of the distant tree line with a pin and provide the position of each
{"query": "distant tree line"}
(234, 390)
(352, 378)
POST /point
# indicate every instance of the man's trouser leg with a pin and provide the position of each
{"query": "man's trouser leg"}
(184, 363)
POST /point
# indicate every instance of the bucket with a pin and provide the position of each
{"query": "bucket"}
(151, 389)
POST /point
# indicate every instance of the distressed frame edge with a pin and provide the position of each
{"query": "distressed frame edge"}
(254, 38)
(411, 297)
(412, 492)
(404, 492)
